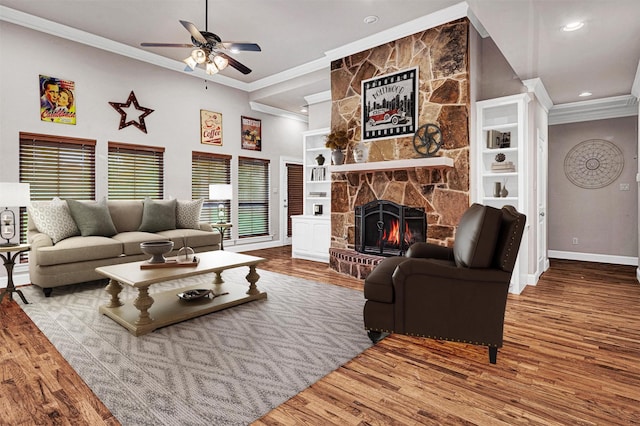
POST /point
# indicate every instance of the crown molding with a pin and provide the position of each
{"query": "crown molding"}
(597, 109)
(535, 86)
(257, 106)
(316, 98)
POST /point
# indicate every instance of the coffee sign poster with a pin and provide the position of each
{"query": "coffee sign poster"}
(210, 127)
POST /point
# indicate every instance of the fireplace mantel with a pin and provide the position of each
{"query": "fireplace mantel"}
(429, 162)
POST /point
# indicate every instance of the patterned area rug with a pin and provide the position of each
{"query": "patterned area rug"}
(225, 368)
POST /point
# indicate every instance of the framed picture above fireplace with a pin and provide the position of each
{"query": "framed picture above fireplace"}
(390, 105)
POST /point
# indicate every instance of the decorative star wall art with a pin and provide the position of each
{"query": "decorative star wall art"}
(121, 108)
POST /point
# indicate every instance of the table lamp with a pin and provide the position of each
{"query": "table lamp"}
(12, 194)
(220, 192)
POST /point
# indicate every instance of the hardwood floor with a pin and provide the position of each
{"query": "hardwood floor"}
(571, 356)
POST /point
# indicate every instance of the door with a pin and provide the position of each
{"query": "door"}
(292, 200)
(542, 182)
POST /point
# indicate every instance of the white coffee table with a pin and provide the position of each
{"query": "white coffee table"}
(146, 313)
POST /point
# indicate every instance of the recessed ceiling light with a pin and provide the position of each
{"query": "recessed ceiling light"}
(371, 19)
(585, 94)
(573, 26)
(304, 109)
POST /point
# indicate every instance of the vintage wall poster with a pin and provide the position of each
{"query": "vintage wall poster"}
(210, 127)
(389, 105)
(251, 131)
(57, 100)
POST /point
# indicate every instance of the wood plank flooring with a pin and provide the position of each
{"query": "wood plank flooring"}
(571, 356)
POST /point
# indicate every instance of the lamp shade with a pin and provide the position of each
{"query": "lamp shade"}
(220, 191)
(15, 194)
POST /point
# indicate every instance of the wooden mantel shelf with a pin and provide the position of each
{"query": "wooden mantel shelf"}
(431, 162)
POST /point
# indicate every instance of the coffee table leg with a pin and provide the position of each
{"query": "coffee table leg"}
(142, 303)
(252, 277)
(114, 288)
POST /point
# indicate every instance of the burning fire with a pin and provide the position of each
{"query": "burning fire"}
(392, 237)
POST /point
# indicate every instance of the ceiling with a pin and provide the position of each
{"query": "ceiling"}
(299, 38)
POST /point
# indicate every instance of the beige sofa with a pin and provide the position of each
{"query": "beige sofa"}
(64, 252)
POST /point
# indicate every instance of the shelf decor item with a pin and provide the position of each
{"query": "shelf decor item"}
(320, 159)
(336, 141)
(504, 191)
(497, 189)
(360, 152)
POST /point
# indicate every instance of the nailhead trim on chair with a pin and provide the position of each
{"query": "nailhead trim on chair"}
(436, 338)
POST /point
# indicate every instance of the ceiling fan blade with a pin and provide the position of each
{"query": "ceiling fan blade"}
(240, 46)
(193, 30)
(165, 45)
(237, 65)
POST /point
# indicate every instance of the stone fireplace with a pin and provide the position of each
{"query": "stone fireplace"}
(442, 192)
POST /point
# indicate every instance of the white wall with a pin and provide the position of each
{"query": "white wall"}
(101, 77)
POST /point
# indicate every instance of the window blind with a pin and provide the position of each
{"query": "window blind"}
(135, 171)
(208, 168)
(55, 166)
(295, 198)
(253, 197)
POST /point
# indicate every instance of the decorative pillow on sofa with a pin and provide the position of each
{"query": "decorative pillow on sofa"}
(53, 218)
(158, 215)
(92, 218)
(188, 214)
(476, 236)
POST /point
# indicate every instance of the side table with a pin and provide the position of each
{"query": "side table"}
(9, 262)
(221, 227)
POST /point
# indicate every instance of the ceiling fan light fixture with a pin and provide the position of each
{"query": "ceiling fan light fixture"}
(211, 69)
(220, 61)
(199, 56)
(191, 63)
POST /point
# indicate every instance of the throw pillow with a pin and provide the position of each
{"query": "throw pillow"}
(158, 215)
(188, 214)
(92, 218)
(54, 219)
(476, 236)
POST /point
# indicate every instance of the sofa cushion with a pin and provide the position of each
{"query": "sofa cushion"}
(195, 238)
(79, 249)
(126, 214)
(53, 218)
(131, 240)
(476, 236)
(188, 213)
(158, 215)
(92, 218)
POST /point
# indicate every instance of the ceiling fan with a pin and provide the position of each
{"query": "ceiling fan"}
(209, 49)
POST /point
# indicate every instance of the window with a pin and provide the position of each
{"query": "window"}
(56, 166)
(135, 172)
(253, 197)
(295, 198)
(207, 168)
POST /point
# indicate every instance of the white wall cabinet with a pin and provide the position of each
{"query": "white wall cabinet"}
(312, 230)
(501, 161)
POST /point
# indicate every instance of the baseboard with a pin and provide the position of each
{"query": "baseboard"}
(592, 257)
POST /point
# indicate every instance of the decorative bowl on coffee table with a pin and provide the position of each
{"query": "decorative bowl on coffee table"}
(157, 249)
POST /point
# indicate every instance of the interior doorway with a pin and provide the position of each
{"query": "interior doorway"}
(292, 196)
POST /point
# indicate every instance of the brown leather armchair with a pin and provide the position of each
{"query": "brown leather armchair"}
(457, 294)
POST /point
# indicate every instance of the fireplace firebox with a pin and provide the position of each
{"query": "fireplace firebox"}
(385, 228)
